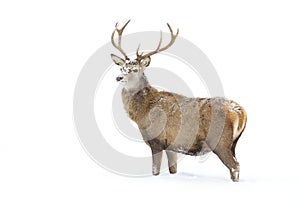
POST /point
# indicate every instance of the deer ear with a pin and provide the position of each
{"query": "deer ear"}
(146, 62)
(117, 60)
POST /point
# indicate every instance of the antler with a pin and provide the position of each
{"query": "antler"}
(120, 31)
(158, 49)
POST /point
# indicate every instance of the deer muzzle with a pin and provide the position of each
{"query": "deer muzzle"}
(119, 78)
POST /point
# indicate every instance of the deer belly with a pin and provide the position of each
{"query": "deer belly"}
(195, 149)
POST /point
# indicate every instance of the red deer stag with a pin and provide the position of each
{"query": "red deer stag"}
(175, 123)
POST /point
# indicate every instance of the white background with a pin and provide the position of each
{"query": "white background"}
(254, 46)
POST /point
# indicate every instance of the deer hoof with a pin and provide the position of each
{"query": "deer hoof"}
(155, 171)
(235, 174)
(173, 170)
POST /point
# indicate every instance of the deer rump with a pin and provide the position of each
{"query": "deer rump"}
(192, 126)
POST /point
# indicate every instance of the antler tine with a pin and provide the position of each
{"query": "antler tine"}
(120, 32)
(138, 56)
(160, 40)
(158, 49)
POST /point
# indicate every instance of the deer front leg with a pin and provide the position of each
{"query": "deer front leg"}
(172, 161)
(156, 161)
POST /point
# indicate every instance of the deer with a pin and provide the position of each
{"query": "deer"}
(175, 123)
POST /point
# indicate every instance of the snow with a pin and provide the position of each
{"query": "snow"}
(208, 182)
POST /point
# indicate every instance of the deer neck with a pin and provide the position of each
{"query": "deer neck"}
(135, 86)
(136, 101)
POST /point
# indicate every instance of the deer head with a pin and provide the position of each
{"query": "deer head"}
(132, 71)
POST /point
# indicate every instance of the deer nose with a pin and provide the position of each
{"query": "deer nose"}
(119, 78)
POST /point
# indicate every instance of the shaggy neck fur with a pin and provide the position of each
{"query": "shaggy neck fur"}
(137, 98)
(135, 85)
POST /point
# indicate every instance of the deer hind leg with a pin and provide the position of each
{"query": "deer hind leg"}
(229, 161)
(172, 161)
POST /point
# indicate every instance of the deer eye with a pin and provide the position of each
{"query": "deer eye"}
(123, 70)
(135, 70)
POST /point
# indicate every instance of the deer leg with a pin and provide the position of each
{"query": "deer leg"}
(156, 161)
(172, 161)
(229, 161)
(204, 148)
